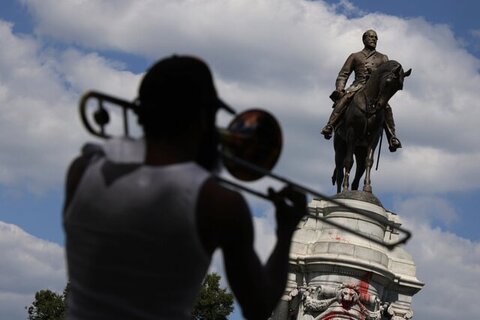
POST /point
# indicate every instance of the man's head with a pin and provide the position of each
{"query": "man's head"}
(177, 97)
(369, 39)
(173, 93)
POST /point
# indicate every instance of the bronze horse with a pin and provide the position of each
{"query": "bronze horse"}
(362, 125)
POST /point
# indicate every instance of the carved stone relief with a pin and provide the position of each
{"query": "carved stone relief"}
(323, 301)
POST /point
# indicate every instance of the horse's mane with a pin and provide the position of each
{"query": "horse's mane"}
(384, 68)
(387, 66)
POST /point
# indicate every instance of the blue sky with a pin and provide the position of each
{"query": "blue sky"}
(461, 16)
(282, 55)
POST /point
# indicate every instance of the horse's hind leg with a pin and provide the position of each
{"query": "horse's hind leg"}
(368, 167)
(337, 178)
(348, 159)
(360, 155)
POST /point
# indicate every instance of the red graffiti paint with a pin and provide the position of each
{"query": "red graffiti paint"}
(350, 311)
(364, 285)
(335, 236)
(329, 316)
(342, 315)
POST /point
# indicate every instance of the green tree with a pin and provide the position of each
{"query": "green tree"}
(213, 303)
(48, 305)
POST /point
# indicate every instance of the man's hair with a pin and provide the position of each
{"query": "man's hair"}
(173, 94)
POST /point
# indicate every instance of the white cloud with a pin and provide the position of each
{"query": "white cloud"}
(28, 264)
(92, 71)
(40, 130)
(284, 56)
(447, 263)
(347, 8)
(280, 55)
(449, 266)
(428, 210)
(425, 170)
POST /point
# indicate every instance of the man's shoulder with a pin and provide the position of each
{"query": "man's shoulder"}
(223, 215)
(358, 54)
(222, 206)
(379, 54)
(218, 196)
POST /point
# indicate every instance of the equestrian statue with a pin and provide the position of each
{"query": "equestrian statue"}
(361, 112)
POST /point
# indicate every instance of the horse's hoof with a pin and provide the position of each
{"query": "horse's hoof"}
(367, 189)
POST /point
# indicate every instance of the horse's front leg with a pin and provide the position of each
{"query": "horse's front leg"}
(339, 178)
(346, 178)
(367, 187)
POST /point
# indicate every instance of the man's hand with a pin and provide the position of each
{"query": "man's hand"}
(336, 95)
(291, 206)
(394, 144)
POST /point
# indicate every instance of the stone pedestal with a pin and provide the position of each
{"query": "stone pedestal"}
(337, 275)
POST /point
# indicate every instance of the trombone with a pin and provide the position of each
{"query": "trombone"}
(250, 147)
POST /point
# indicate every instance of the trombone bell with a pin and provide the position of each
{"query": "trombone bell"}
(254, 136)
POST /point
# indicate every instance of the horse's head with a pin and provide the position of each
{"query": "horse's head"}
(391, 77)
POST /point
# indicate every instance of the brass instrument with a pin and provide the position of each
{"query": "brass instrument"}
(250, 147)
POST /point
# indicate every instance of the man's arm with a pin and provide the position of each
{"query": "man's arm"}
(345, 73)
(225, 221)
(74, 175)
(77, 169)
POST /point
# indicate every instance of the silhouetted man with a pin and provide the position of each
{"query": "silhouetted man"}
(140, 236)
(362, 63)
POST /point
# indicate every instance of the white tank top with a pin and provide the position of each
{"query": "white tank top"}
(133, 249)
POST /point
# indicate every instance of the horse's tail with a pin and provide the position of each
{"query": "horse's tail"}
(334, 176)
(379, 149)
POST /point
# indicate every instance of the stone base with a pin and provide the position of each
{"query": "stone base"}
(335, 274)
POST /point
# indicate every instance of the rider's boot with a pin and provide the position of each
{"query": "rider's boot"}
(337, 112)
(393, 142)
(327, 131)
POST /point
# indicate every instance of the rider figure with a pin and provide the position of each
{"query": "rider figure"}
(363, 63)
